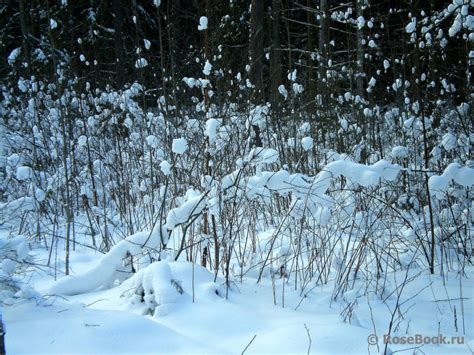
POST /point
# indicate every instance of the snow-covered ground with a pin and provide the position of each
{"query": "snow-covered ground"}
(255, 316)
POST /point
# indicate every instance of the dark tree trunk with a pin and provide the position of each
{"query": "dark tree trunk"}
(275, 59)
(118, 42)
(256, 47)
(25, 36)
(360, 52)
(322, 46)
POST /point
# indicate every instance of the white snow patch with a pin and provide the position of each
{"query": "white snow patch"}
(207, 68)
(307, 143)
(263, 156)
(53, 24)
(14, 54)
(462, 175)
(449, 141)
(141, 63)
(24, 173)
(165, 167)
(180, 145)
(202, 23)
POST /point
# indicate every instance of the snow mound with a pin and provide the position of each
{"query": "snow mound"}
(103, 274)
(155, 288)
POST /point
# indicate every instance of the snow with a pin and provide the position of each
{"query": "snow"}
(262, 156)
(85, 330)
(20, 204)
(193, 206)
(24, 173)
(297, 88)
(456, 26)
(14, 54)
(180, 145)
(165, 167)
(8, 266)
(212, 125)
(22, 249)
(361, 174)
(399, 152)
(307, 143)
(292, 75)
(202, 23)
(305, 249)
(368, 112)
(152, 141)
(82, 141)
(257, 117)
(207, 68)
(40, 195)
(115, 321)
(156, 284)
(449, 141)
(462, 175)
(282, 90)
(147, 43)
(53, 24)
(411, 27)
(103, 274)
(141, 63)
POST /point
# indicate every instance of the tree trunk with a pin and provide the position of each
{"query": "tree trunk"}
(275, 59)
(360, 52)
(25, 36)
(310, 18)
(322, 46)
(256, 47)
(118, 42)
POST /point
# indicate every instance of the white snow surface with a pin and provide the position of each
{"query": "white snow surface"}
(115, 321)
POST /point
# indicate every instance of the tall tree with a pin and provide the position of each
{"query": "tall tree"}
(256, 46)
(118, 43)
(276, 58)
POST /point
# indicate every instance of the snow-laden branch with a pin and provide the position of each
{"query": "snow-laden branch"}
(103, 273)
(462, 175)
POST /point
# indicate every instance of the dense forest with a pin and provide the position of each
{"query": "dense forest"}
(311, 144)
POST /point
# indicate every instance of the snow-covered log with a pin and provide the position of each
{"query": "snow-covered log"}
(103, 273)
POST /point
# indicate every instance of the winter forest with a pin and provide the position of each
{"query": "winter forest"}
(236, 176)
